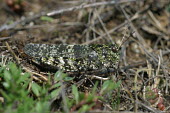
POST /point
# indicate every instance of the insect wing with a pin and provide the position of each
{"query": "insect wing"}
(66, 51)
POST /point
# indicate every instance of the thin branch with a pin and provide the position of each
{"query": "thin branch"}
(12, 52)
(86, 6)
(5, 38)
(110, 31)
(55, 12)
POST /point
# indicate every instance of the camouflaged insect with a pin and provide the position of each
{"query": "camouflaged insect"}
(74, 58)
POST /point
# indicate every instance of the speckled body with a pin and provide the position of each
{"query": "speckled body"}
(74, 58)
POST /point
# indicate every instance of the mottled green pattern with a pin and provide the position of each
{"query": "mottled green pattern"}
(74, 58)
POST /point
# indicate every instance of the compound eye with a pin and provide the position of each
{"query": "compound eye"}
(115, 49)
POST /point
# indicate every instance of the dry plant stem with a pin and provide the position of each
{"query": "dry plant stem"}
(95, 31)
(12, 52)
(50, 25)
(157, 24)
(86, 6)
(26, 20)
(133, 27)
(17, 59)
(4, 60)
(100, 20)
(135, 85)
(108, 106)
(4, 38)
(34, 73)
(116, 28)
(98, 77)
(145, 106)
(27, 70)
(160, 76)
(143, 44)
(111, 31)
(29, 19)
(95, 20)
(157, 80)
(91, 19)
(103, 35)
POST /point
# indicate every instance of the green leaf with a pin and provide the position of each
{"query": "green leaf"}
(55, 93)
(24, 78)
(109, 85)
(56, 85)
(168, 8)
(85, 108)
(105, 85)
(36, 89)
(1, 71)
(42, 107)
(68, 78)
(7, 75)
(91, 97)
(75, 93)
(118, 84)
(47, 18)
(15, 71)
(6, 84)
(94, 88)
(59, 75)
